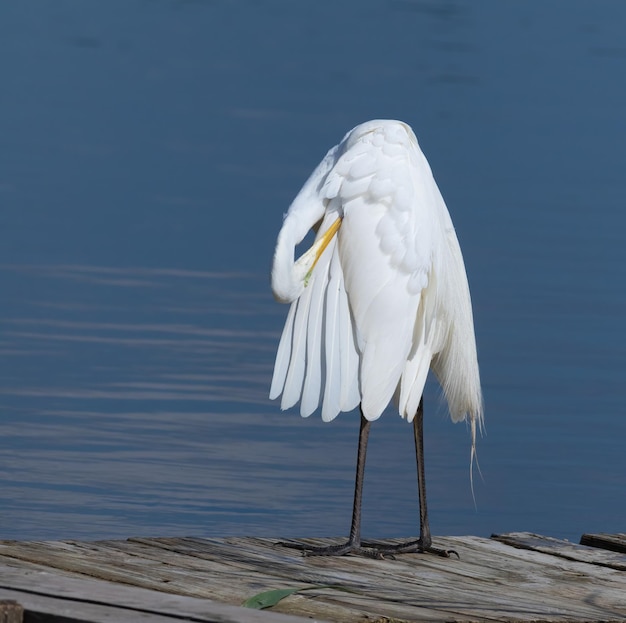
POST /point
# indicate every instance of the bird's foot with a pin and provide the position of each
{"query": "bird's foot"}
(409, 547)
(333, 550)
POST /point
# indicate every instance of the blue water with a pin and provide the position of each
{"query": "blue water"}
(147, 153)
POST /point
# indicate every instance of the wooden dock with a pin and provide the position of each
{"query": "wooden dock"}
(512, 577)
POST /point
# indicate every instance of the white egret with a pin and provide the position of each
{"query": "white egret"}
(381, 297)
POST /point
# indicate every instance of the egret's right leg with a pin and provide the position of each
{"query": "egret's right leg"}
(354, 541)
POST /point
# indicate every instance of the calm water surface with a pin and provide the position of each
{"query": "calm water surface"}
(147, 153)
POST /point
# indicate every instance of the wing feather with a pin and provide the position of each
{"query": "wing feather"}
(334, 381)
(313, 376)
(318, 285)
(297, 363)
(283, 355)
(349, 355)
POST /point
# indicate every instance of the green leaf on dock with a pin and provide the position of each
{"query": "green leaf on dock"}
(268, 599)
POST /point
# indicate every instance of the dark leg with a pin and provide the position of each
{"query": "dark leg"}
(418, 433)
(355, 526)
(424, 543)
(354, 542)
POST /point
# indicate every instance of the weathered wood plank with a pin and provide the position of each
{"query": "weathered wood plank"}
(45, 609)
(612, 542)
(45, 594)
(150, 567)
(491, 582)
(563, 549)
(146, 566)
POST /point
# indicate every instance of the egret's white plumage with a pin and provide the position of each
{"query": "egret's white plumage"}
(388, 297)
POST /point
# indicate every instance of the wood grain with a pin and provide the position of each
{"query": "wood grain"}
(518, 577)
(613, 542)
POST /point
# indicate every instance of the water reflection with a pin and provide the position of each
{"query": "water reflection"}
(136, 401)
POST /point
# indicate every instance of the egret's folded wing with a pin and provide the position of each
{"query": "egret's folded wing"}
(385, 247)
